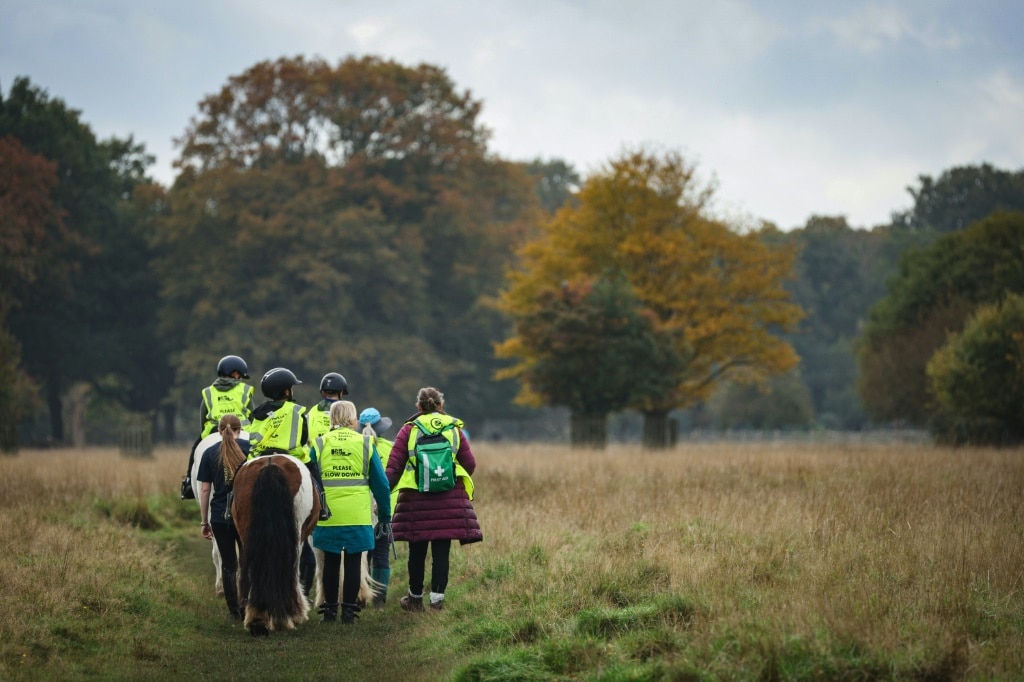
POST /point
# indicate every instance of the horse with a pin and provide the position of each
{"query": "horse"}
(275, 510)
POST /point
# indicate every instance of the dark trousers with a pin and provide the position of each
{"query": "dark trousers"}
(332, 570)
(228, 542)
(439, 551)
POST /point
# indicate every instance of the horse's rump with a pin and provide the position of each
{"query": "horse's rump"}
(272, 506)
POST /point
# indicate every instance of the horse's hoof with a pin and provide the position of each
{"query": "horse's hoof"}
(258, 630)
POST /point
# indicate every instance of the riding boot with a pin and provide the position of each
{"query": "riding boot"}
(380, 594)
(330, 610)
(307, 568)
(349, 613)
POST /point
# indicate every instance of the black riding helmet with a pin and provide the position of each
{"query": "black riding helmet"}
(334, 383)
(232, 363)
(275, 382)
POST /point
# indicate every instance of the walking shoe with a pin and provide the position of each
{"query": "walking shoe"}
(437, 605)
(330, 611)
(411, 603)
(349, 614)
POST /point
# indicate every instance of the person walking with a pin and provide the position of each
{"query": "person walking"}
(318, 418)
(227, 395)
(375, 426)
(352, 473)
(216, 476)
(428, 516)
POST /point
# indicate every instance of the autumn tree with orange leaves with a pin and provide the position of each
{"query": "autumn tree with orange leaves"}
(715, 294)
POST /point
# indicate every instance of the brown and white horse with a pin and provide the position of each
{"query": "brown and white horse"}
(275, 510)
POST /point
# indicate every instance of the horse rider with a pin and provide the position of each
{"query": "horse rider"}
(229, 394)
(318, 418)
(278, 426)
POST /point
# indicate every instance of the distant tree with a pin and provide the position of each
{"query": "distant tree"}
(782, 403)
(555, 182)
(935, 291)
(588, 346)
(33, 234)
(835, 284)
(716, 296)
(72, 325)
(977, 378)
(960, 196)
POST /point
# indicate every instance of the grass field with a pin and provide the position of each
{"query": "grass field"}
(716, 562)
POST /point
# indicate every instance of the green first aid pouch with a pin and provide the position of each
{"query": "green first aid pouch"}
(435, 461)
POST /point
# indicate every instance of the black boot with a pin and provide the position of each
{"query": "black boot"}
(186, 488)
(330, 611)
(349, 613)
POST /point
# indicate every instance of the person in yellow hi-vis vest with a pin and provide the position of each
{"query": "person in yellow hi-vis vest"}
(431, 513)
(353, 479)
(332, 388)
(229, 394)
(375, 426)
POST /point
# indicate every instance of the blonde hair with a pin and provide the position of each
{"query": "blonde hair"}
(343, 413)
(231, 455)
(429, 400)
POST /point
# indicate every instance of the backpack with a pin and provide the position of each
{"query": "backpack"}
(435, 461)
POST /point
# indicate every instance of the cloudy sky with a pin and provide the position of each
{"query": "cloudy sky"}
(794, 107)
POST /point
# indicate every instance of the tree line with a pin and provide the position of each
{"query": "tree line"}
(351, 218)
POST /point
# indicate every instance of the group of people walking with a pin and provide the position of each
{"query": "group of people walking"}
(370, 488)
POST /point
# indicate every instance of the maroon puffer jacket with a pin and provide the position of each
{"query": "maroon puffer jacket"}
(432, 516)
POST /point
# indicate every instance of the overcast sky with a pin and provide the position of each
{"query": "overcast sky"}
(795, 107)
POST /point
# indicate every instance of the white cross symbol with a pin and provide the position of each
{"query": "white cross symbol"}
(438, 471)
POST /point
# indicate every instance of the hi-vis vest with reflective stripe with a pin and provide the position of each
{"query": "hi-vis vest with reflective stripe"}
(279, 432)
(434, 423)
(318, 421)
(344, 457)
(237, 400)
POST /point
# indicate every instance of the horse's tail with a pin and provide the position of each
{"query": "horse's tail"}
(271, 543)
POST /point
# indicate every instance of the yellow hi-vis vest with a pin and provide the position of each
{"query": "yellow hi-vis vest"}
(408, 479)
(344, 457)
(236, 400)
(318, 421)
(279, 432)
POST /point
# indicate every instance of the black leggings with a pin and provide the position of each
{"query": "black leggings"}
(228, 542)
(332, 569)
(439, 551)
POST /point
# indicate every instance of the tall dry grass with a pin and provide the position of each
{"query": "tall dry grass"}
(912, 553)
(777, 560)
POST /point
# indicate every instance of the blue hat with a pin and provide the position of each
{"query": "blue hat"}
(372, 417)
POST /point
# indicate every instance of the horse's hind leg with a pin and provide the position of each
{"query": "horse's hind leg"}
(218, 585)
(257, 627)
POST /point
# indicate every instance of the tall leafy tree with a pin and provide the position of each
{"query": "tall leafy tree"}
(960, 196)
(342, 218)
(31, 236)
(588, 346)
(716, 295)
(934, 293)
(977, 378)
